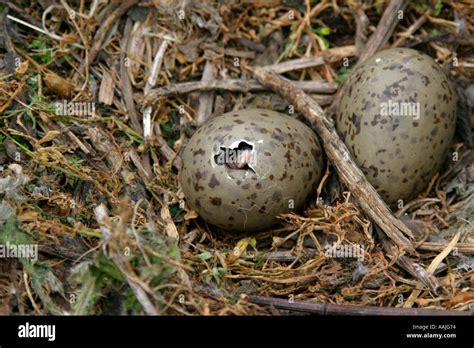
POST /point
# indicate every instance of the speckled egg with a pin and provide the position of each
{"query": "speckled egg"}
(397, 118)
(242, 169)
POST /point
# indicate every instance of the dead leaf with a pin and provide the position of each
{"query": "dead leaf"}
(190, 215)
(169, 226)
(58, 85)
(48, 137)
(240, 248)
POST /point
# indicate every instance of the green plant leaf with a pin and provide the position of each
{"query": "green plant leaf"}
(322, 31)
(206, 255)
(438, 7)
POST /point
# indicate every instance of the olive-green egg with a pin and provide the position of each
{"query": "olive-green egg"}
(397, 118)
(242, 169)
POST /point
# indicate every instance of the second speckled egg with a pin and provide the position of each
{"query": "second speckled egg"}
(397, 118)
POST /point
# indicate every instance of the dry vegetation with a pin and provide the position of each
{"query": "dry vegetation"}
(99, 194)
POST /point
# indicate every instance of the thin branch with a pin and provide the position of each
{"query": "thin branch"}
(467, 248)
(335, 309)
(296, 64)
(231, 85)
(206, 99)
(362, 26)
(409, 32)
(126, 85)
(22, 13)
(384, 30)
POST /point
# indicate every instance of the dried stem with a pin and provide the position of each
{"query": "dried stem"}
(384, 30)
(231, 85)
(336, 309)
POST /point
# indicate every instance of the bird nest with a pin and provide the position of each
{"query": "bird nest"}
(97, 101)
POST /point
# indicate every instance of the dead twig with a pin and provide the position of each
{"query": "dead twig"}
(409, 32)
(231, 85)
(127, 93)
(463, 40)
(467, 248)
(335, 309)
(245, 86)
(22, 13)
(384, 30)
(165, 150)
(362, 25)
(126, 85)
(296, 64)
(206, 99)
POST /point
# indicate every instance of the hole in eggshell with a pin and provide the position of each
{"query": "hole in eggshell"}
(238, 157)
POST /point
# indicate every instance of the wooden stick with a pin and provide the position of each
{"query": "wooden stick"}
(22, 13)
(125, 84)
(127, 94)
(339, 155)
(231, 85)
(384, 30)
(362, 26)
(467, 248)
(206, 99)
(296, 64)
(409, 32)
(237, 85)
(165, 150)
(335, 309)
